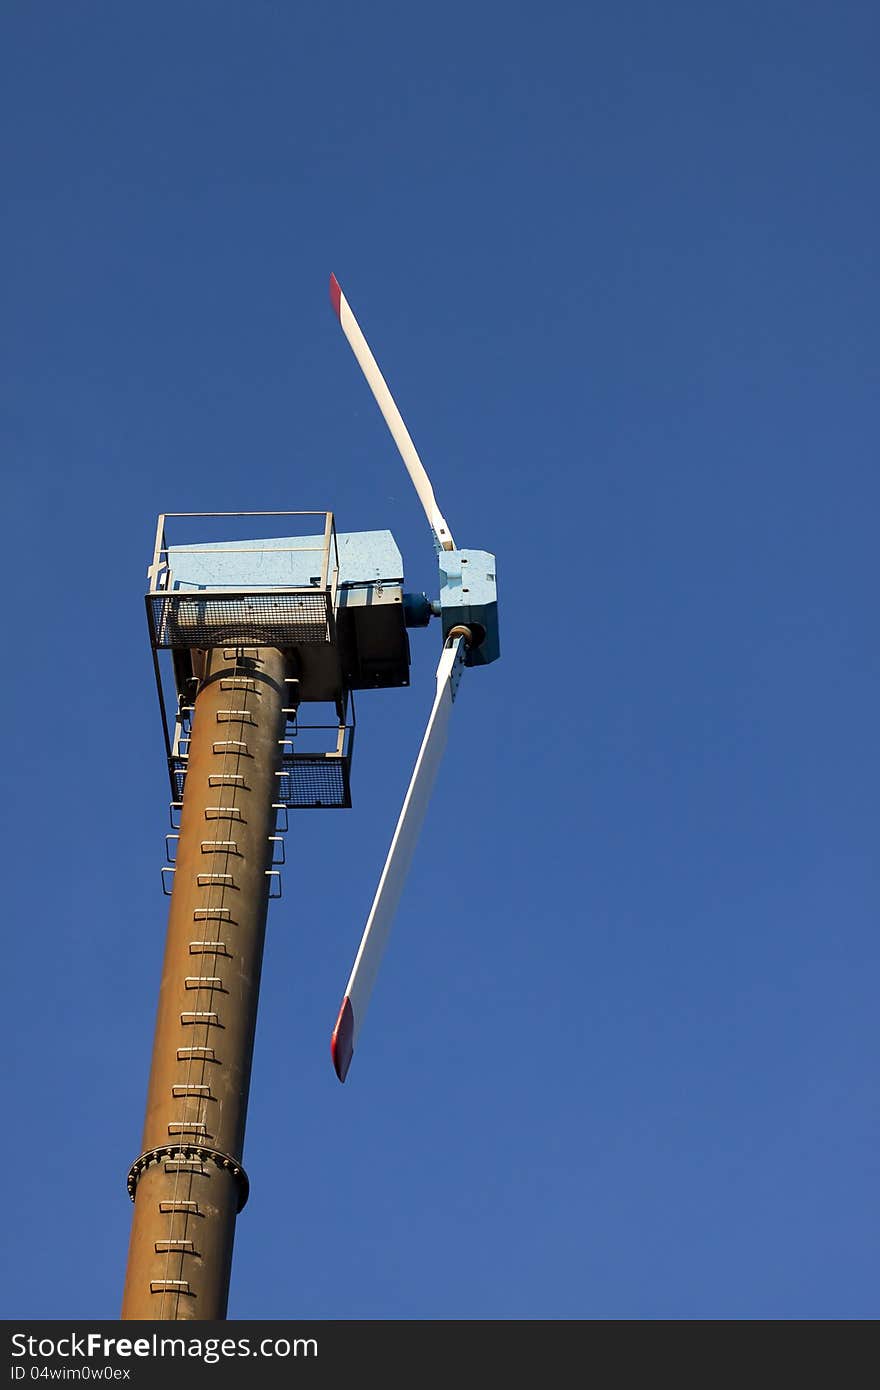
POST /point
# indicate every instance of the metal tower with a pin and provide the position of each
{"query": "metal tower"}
(189, 1182)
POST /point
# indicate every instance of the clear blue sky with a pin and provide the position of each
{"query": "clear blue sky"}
(619, 265)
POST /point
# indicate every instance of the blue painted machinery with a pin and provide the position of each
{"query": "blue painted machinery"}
(333, 601)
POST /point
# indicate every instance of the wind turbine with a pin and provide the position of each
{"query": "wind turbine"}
(468, 608)
(254, 638)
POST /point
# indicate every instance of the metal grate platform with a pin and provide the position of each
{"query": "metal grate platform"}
(268, 619)
(321, 781)
(305, 782)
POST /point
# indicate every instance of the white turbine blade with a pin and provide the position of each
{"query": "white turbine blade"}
(369, 956)
(393, 418)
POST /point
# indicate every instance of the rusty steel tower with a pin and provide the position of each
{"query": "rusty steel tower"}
(189, 1182)
(258, 645)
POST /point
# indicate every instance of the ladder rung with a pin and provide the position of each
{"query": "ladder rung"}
(189, 1127)
(239, 683)
(212, 914)
(222, 880)
(231, 745)
(220, 847)
(192, 1208)
(209, 948)
(196, 1054)
(223, 813)
(183, 1247)
(190, 1090)
(225, 779)
(235, 716)
(204, 982)
(211, 1020)
(170, 1286)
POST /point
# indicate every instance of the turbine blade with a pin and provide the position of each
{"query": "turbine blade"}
(415, 804)
(393, 418)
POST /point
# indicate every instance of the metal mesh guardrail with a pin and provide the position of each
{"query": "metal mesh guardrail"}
(250, 619)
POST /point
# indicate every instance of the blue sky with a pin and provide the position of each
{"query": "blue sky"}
(618, 263)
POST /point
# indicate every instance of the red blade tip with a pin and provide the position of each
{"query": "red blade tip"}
(335, 295)
(341, 1043)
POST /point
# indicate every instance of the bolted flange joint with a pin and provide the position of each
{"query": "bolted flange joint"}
(189, 1151)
